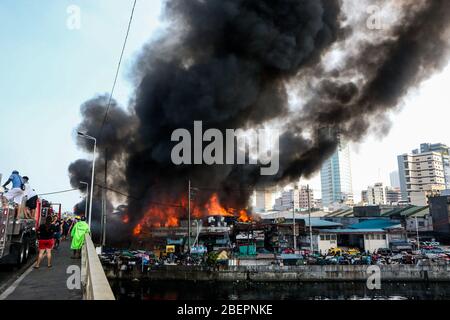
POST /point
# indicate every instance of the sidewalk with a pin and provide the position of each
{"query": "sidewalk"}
(44, 283)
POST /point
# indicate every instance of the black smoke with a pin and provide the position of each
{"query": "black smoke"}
(232, 64)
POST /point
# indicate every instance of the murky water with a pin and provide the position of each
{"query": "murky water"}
(170, 290)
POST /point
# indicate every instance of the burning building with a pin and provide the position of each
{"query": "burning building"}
(237, 64)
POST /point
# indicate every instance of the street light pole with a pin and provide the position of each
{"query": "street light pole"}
(93, 173)
(417, 234)
(87, 196)
(293, 226)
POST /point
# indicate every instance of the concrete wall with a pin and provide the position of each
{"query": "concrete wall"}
(95, 283)
(400, 273)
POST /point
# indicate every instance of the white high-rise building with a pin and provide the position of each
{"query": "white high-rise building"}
(264, 200)
(336, 178)
(376, 194)
(421, 174)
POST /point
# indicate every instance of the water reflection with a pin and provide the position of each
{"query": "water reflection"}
(170, 290)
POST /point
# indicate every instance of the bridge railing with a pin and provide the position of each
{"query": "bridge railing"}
(95, 283)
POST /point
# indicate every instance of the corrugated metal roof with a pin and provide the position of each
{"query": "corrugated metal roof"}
(412, 211)
(375, 224)
(315, 221)
(421, 213)
(360, 231)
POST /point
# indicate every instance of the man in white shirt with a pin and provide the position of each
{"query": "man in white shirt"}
(32, 198)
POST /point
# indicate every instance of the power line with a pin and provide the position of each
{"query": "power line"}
(57, 192)
(118, 69)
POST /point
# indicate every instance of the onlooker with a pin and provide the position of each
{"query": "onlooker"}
(66, 227)
(79, 231)
(32, 198)
(17, 190)
(58, 230)
(46, 242)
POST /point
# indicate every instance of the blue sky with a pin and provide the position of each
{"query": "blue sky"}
(47, 71)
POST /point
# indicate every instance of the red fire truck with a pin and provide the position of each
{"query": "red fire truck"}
(18, 236)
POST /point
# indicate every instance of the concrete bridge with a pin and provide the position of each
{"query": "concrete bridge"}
(68, 279)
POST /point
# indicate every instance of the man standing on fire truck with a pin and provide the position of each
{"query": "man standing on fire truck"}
(17, 191)
(32, 198)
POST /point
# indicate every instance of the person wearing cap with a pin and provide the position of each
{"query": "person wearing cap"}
(32, 198)
(17, 191)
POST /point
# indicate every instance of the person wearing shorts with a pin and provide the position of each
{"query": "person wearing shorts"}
(16, 193)
(32, 199)
(45, 242)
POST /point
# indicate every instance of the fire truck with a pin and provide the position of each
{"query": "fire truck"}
(18, 236)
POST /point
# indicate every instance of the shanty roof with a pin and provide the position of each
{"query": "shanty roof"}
(376, 224)
(341, 213)
(423, 211)
(354, 231)
(315, 221)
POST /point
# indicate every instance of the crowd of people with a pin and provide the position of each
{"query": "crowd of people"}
(55, 230)
(50, 232)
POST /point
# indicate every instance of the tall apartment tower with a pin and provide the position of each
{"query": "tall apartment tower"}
(421, 173)
(376, 194)
(264, 199)
(336, 178)
(303, 194)
(444, 151)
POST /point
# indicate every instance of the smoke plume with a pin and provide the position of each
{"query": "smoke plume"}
(235, 64)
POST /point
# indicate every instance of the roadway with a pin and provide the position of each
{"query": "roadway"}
(26, 283)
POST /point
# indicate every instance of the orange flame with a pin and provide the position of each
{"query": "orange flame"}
(158, 216)
(213, 207)
(243, 216)
(126, 219)
(137, 230)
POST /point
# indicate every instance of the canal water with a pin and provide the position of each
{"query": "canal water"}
(185, 290)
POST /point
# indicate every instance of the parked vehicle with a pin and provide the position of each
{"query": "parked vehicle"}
(353, 251)
(384, 251)
(399, 246)
(335, 251)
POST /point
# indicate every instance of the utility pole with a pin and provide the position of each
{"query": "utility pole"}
(417, 233)
(309, 218)
(189, 216)
(293, 225)
(104, 200)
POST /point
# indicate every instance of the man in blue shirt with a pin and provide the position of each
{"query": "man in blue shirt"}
(16, 193)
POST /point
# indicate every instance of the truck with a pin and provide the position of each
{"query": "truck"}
(17, 237)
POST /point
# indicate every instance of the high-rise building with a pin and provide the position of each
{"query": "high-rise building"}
(376, 194)
(395, 179)
(336, 178)
(290, 199)
(393, 195)
(364, 198)
(421, 174)
(445, 153)
(303, 194)
(264, 200)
